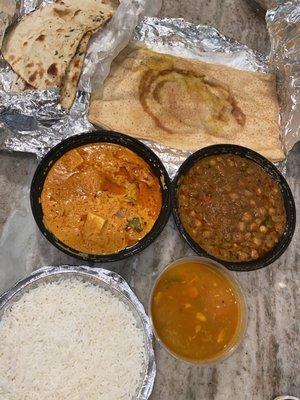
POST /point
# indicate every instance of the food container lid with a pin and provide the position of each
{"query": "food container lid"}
(286, 398)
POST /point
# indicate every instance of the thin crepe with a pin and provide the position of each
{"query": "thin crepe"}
(188, 104)
(41, 46)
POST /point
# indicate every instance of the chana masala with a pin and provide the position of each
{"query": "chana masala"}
(231, 207)
(197, 311)
(100, 198)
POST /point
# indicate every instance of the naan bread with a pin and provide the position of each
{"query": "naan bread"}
(42, 45)
(188, 104)
(71, 78)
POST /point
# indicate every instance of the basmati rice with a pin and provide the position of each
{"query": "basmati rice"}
(70, 340)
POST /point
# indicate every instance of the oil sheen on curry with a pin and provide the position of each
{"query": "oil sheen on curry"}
(231, 207)
(197, 311)
(100, 198)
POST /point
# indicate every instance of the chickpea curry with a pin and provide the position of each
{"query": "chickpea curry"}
(100, 198)
(197, 311)
(231, 207)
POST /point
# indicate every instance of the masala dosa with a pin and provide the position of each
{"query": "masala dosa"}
(188, 104)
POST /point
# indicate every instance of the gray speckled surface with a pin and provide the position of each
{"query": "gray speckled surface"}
(267, 362)
(234, 18)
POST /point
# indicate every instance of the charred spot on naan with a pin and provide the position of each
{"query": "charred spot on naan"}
(40, 38)
(52, 70)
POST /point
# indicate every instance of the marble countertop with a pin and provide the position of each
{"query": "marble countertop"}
(267, 362)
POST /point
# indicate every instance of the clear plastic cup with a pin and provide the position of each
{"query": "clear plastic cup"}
(242, 319)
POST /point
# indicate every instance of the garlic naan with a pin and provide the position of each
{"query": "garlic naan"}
(41, 46)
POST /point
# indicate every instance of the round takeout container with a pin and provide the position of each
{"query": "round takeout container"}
(73, 142)
(107, 280)
(242, 324)
(270, 169)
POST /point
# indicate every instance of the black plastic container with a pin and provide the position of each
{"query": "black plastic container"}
(134, 145)
(268, 167)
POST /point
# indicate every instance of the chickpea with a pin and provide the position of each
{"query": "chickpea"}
(238, 237)
(262, 211)
(242, 226)
(263, 229)
(276, 218)
(278, 227)
(233, 196)
(271, 210)
(254, 254)
(197, 223)
(253, 227)
(269, 243)
(242, 255)
(247, 217)
(207, 234)
(212, 162)
(258, 191)
(192, 214)
(256, 241)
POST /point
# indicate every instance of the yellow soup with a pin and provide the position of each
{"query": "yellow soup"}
(197, 311)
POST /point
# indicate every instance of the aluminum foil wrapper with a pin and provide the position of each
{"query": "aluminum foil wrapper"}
(7, 12)
(33, 122)
(105, 279)
(284, 26)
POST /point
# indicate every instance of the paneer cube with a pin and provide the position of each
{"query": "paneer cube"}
(93, 226)
(72, 160)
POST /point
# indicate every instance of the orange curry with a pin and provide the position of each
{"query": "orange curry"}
(197, 311)
(100, 198)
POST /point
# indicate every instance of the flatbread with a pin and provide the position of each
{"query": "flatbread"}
(41, 46)
(188, 104)
(71, 78)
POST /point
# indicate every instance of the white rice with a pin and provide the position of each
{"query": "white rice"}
(70, 340)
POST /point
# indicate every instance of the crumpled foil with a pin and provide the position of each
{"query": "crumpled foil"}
(108, 280)
(33, 122)
(284, 26)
